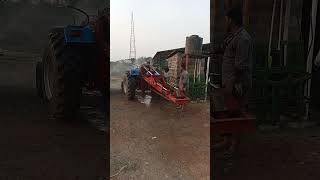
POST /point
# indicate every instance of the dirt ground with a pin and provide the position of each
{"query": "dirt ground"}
(290, 154)
(156, 142)
(32, 147)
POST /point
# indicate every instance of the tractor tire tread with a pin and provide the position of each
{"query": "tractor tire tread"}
(132, 86)
(65, 100)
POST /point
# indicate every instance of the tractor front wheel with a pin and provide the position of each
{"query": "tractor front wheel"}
(39, 79)
(124, 86)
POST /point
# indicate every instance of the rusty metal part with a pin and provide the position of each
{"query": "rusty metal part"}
(229, 125)
(225, 128)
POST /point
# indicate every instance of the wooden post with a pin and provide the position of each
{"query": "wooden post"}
(227, 4)
(271, 30)
(194, 71)
(207, 77)
(286, 30)
(245, 13)
(199, 68)
(280, 24)
(317, 59)
(310, 55)
(186, 62)
(213, 13)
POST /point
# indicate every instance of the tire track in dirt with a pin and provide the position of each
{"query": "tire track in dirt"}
(156, 142)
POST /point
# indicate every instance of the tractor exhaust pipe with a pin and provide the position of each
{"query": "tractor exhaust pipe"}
(81, 11)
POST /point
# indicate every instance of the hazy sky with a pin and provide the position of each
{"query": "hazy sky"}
(159, 25)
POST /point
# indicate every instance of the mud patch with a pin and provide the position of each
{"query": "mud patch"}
(95, 117)
(121, 165)
(93, 110)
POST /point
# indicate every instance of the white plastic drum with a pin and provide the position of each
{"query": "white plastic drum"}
(147, 100)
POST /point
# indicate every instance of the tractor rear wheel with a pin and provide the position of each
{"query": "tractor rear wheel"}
(62, 78)
(39, 79)
(132, 86)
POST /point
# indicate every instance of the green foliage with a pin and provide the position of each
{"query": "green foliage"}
(143, 59)
(118, 68)
(196, 89)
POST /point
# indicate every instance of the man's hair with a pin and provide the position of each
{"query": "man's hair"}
(235, 14)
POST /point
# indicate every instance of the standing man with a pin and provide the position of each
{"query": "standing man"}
(183, 81)
(236, 69)
(237, 60)
(166, 74)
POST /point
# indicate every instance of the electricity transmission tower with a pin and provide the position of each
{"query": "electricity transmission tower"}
(132, 53)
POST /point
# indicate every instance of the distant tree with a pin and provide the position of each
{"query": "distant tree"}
(143, 59)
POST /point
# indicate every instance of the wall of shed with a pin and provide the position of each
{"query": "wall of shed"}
(257, 16)
(174, 64)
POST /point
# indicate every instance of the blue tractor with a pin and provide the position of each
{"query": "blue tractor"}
(76, 58)
(130, 83)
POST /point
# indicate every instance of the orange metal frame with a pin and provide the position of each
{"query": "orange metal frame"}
(159, 86)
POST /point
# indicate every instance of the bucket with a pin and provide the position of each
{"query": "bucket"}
(147, 100)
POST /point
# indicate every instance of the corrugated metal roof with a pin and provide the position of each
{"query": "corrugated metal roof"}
(163, 55)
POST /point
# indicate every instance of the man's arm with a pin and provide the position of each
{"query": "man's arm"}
(216, 49)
